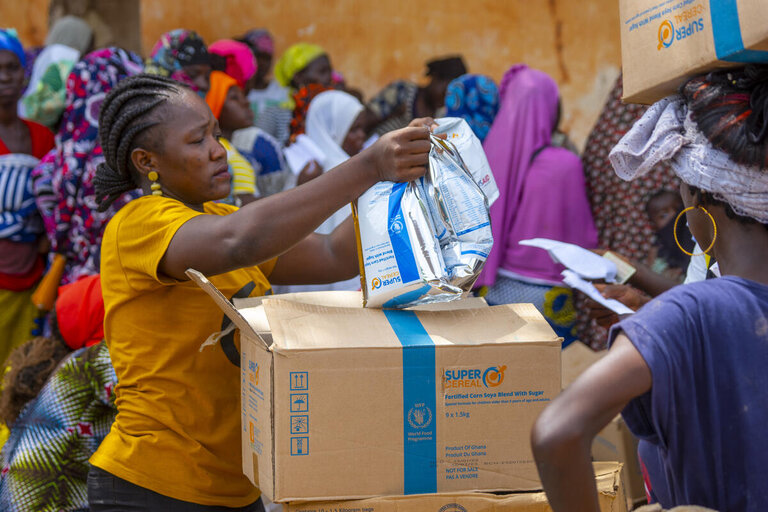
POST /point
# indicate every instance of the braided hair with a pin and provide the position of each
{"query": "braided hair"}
(125, 116)
(731, 109)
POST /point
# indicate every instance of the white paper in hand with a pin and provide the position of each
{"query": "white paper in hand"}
(574, 281)
(301, 152)
(583, 262)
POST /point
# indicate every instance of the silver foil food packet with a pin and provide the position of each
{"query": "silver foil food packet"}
(424, 241)
(460, 213)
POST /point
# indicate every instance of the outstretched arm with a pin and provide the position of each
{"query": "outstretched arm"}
(272, 226)
(563, 433)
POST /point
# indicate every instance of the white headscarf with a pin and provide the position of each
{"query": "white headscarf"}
(329, 118)
(667, 132)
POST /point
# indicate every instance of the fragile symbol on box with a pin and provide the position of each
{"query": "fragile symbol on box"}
(299, 446)
(299, 381)
(299, 402)
(300, 424)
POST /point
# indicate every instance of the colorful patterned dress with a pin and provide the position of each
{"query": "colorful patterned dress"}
(45, 460)
(64, 178)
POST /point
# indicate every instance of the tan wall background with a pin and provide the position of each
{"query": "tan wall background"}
(373, 43)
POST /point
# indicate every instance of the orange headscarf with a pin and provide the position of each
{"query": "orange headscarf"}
(217, 94)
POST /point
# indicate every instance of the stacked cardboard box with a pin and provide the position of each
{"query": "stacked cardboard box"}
(664, 42)
(607, 477)
(345, 403)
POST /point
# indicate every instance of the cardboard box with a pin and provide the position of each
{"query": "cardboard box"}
(616, 442)
(607, 476)
(665, 42)
(577, 357)
(344, 403)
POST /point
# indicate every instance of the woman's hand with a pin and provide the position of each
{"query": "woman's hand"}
(629, 296)
(401, 155)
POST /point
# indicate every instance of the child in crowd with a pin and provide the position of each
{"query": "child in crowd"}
(667, 258)
(229, 105)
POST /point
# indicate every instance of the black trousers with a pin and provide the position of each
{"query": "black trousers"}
(108, 493)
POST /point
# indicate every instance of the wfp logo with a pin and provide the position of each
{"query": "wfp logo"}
(452, 507)
(375, 283)
(396, 227)
(666, 35)
(419, 416)
(494, 376)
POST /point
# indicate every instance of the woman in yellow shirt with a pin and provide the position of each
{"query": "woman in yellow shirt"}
(175, 444)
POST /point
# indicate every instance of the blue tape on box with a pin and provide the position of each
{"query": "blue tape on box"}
(419, 432)
(726, 30)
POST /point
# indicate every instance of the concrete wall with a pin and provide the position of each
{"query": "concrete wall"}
(372, 43)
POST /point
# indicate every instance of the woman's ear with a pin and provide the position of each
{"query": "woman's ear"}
(143, 161)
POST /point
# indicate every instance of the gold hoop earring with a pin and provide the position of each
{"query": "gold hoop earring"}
(155, 186)
(714, 227)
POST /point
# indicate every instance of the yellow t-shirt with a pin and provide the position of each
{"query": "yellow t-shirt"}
(177, 430)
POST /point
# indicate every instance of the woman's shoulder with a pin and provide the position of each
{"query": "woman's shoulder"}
(143, 213)
(703, 297)
(42, 138)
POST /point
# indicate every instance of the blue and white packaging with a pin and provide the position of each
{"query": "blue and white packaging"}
(425, 241)
(459, 133)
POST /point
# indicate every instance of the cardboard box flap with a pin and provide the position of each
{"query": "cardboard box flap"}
(227, 307)
(297, 326)
(252, 309)
(350, 299)
(336, 299)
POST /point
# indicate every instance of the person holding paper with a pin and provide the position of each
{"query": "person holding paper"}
(687, 371)
(175, 444)
(542, 194)
(335, 124)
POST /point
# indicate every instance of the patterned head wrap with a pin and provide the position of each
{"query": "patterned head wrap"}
(72, 222)
(9, 41)
(301, 99)
(295, 59)
(175, 50)
(666, 132)
(474, 98)
(260, 40)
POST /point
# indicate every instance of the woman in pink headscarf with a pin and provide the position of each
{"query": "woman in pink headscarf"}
(542, 195)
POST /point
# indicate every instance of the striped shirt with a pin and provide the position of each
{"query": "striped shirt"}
(243, 175)
(19, 220)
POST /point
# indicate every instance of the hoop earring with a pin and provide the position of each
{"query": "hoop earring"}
(155, 186)
(714, 227)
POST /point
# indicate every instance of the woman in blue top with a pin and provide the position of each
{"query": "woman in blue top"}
(688, 371)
